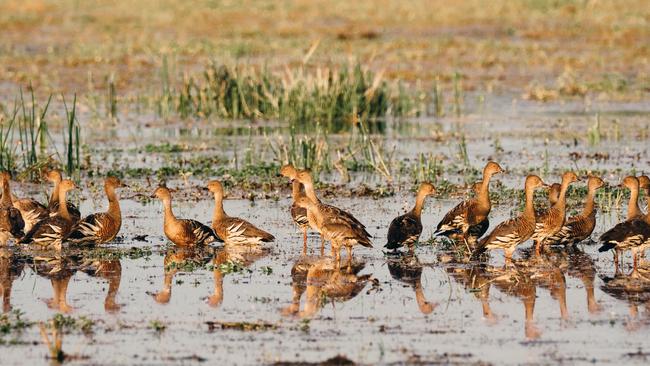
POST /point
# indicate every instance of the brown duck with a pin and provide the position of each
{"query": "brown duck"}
(510, 233)
(50, 232)
(580, 227)
(298, 214)
(30, 210)
(458, 222)
(405, 230)
(339, 232)
(182, 232)
(54, 176)
(104, 226)
(552, 220)
(11, 222)
(233, 230)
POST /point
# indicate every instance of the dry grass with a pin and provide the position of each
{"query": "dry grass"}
(69, 45)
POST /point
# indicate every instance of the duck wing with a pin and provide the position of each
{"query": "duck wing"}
(95, 228)
(403, 230)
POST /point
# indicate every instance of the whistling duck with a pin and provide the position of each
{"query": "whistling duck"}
(50, 232)
(580, 227)
(182, 232)
(552, 220)
(338, 232)
(100, 227)
(406, 229)
(11, 222)
(631, 234)
(54, 176)
(510, 233)
(458, 222)
(626, 230)
(233, 230)
(478, 230)
(334, 214)
(298, 214)
(30, 210)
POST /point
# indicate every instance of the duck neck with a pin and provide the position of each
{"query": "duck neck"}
(63, 206)
(113, 202)
(529, 209)
(419, 203)
(310, 192)
(633, 209)
(54, 198)
(218, 212)
(589, 203)
(484, 191)
(296, 190)
(561, 199)
(6, 194)
(168, 214)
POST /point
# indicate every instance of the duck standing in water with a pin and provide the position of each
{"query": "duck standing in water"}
(580, 227)
(30, 210)
(54, 176)
(298, 214)
(50, 232)
(405, 230)
(461, 220)
(104, 226)
(510, 233)
(182, 232)
(11, 221)
(549, 222)
(233, 230)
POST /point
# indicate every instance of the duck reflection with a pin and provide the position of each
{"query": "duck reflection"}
(58, 267)
(180, 259)
(634, 289)
(475, 279)
(408, 269)
(320, 279)
(240, 255)
(111, 271)
(11, 267)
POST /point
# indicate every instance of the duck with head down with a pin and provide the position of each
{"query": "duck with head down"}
(182, 232)
(460, 220)
(233, 230)
(549, 222)
(405, 230)
(580, 227)
(50, 232)
(104, 226)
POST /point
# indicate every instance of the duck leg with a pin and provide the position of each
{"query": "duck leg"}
(322, 245)
(304, 241)
(349, 261)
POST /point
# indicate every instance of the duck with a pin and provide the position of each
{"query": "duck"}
(182, 232)
(30, 210)
(549, 222)
(510, 233)
(339, 232)
(578, 228)
(458, 222)
(54, 176)
(11, 221)
(233, 230)
(633, 211)
(333, 213)
(100, 227)
(50, 232)
(632, 234)
(482, 227)
(405, 229)
(298, 214)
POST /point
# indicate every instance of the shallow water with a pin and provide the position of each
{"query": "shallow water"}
(371, 314)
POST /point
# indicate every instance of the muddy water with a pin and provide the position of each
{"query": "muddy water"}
(432, 308)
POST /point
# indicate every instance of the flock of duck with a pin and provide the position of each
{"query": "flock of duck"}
(50, 226)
